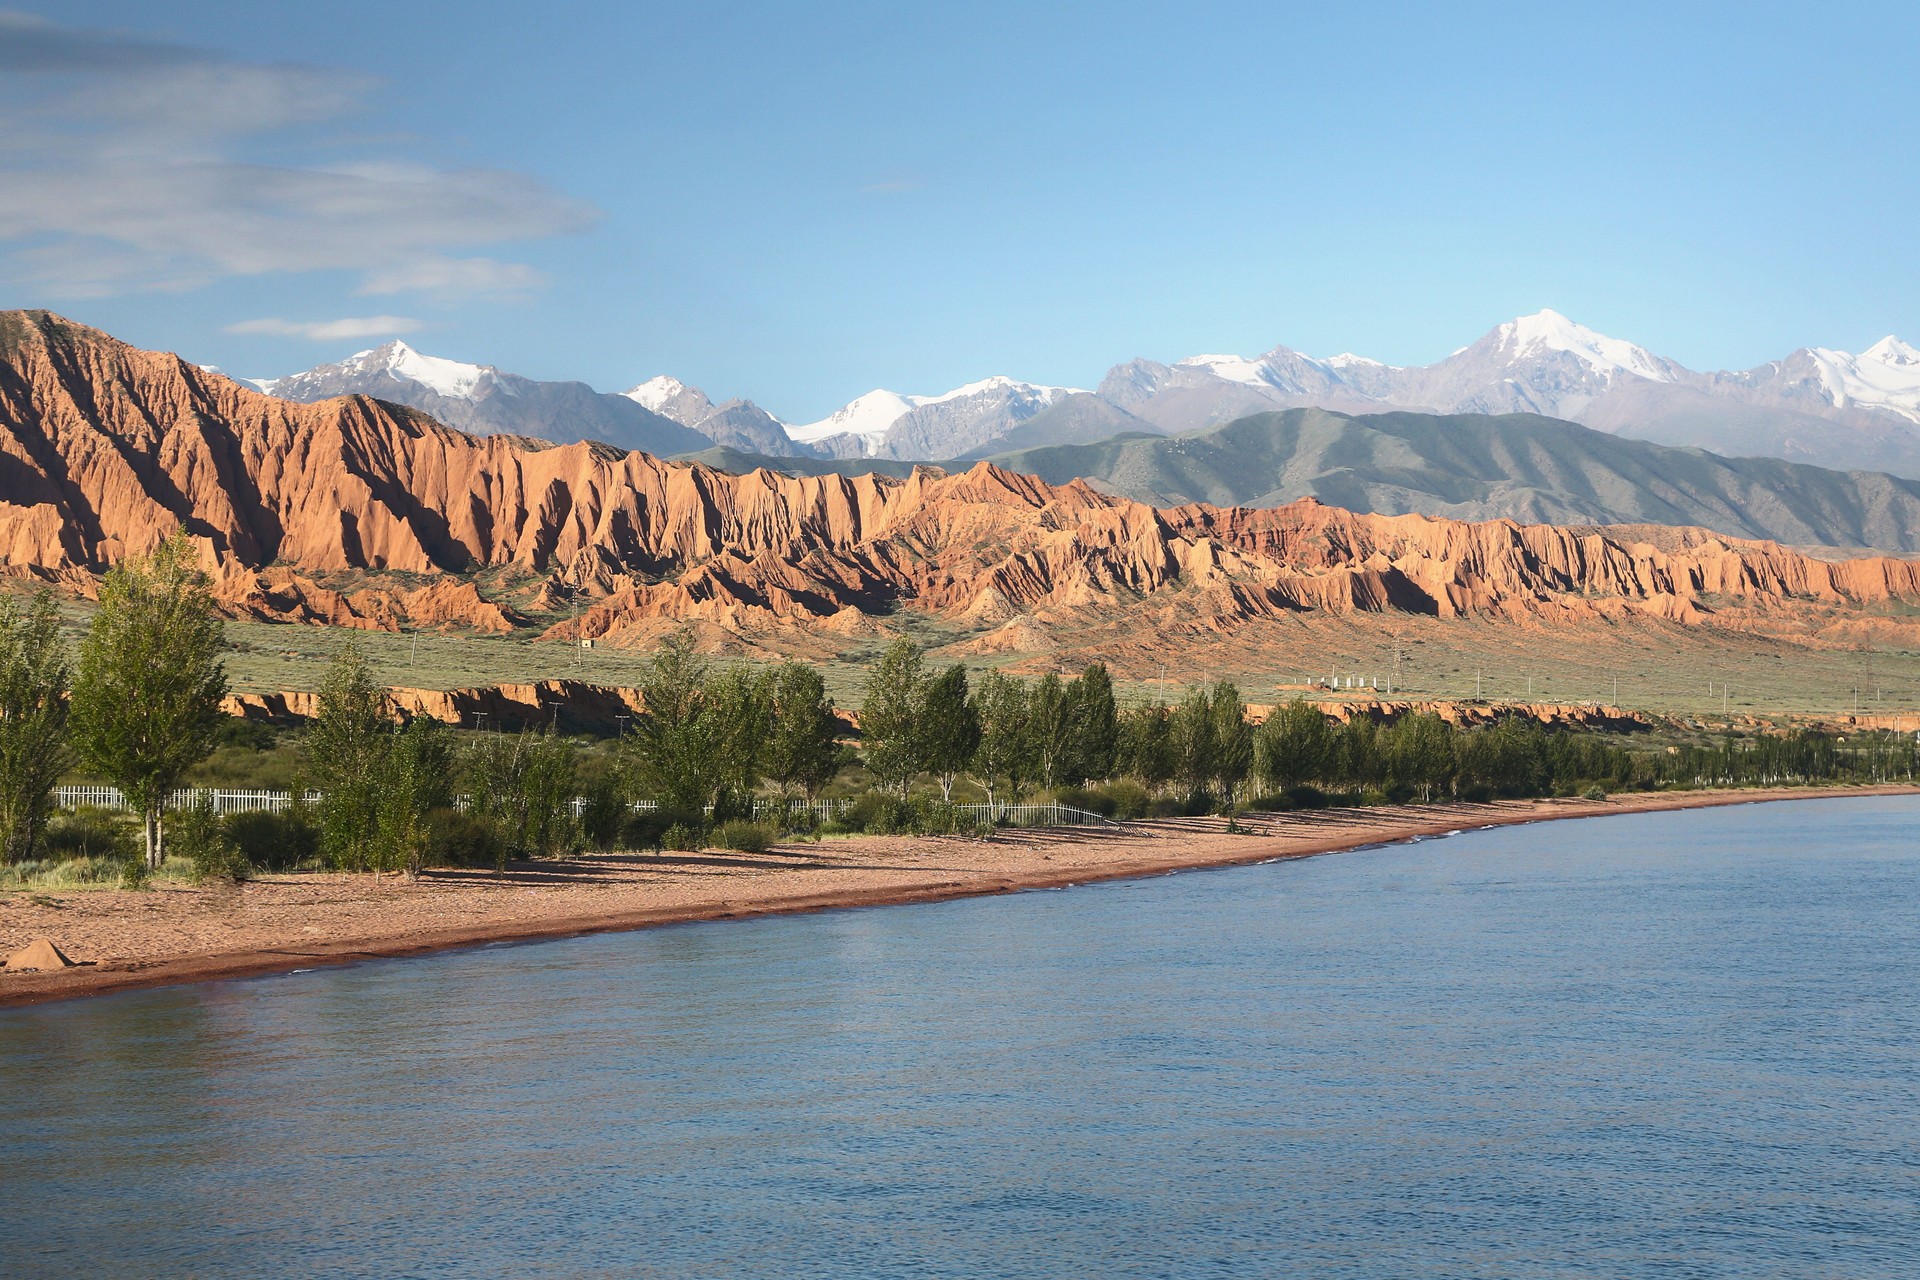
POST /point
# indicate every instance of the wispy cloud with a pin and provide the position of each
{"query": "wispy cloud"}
(131, 164)
(344, 330)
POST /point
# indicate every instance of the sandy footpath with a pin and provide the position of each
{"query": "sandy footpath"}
(177, 934)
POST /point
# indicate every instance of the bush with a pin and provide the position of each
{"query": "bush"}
(682, 838)
(274, 841)
(1082, 798)
(1595, 792)
(1127, 799)
(646, 829)
(88, 833)
(134, 873)
(743, 836)
(879, 813)
(456, 840)
(200, 837)
(604, 815)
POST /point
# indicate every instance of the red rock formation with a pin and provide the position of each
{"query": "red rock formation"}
(359, 513)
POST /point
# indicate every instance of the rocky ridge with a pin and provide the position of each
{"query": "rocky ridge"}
(358, 512)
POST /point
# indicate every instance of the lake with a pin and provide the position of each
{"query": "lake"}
(1679, 1044)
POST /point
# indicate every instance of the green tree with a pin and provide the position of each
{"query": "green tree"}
(1052, 724)
(1292, 745)
(521, 786)
(344, 757)
(1146, 748)
(1194, 749)
(803, 743)
(1000, 708)
(1095, 723)
(951, 727)
(35, 675)
(739, 706)
(1232, 738)
(416, 782)
(1420, 754)
(674, 755)
(892, 727)
(146, 696)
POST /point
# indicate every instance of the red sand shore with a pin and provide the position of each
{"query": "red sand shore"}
(179, 934)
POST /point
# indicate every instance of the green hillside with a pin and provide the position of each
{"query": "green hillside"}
(1476, 467)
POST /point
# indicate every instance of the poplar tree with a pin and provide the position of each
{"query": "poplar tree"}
(1000, 708)
(35, 674)
(1292, 746)
(952, 727)
(673, 755)
(1095, 723)
(146, 696)
(1232, 738)
(803, 740)
(345, 752)
(891, 725)
(1051, 721)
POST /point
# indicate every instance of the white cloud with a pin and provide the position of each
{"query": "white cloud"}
(348, 329)
(129, 164)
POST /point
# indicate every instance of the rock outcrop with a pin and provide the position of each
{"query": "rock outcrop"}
(356, 512)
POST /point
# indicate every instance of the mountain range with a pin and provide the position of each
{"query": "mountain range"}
(1831, 408)
(357, 511)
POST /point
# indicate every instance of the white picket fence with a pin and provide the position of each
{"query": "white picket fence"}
(1050, 814)
(225, 800)
(254, 800)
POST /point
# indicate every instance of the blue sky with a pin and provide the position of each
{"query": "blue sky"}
(798, 203)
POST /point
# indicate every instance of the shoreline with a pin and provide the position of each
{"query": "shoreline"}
(388, 921)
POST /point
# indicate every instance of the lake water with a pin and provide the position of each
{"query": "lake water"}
(1663, 1045)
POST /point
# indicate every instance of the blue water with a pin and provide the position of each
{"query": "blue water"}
(1665, 1045)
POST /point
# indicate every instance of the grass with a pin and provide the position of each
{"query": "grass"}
(1661, 668)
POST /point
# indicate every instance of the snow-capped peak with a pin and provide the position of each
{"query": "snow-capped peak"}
(872, 415)
(1348, 360)
(451, 378)
(1252, 373)
(868, 415)
(655, 393)
(1884, 376)
(1549, 331)
(1890, 350)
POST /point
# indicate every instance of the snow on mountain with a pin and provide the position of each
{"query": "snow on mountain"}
(1248, 373)
(657, 393)
(1884, 376)
(451, 378)
(868, 416)
(928, 426)
(1548, 331)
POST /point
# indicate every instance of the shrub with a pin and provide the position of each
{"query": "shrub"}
(880, 813)
(456, 840)
(743, 836)
(134, 873)
(1595, 792)
(1093, 801)
(682, 838)
(1127, 798)
(201, 838)
(89, 833)
(274, 841)
(604, 814)
(646, 829)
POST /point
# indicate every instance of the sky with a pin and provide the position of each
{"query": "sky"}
(800, 203)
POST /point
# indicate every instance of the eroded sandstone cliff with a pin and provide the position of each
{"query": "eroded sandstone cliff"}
(356, 512)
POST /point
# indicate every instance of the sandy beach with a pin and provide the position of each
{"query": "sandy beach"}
(173, 934)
